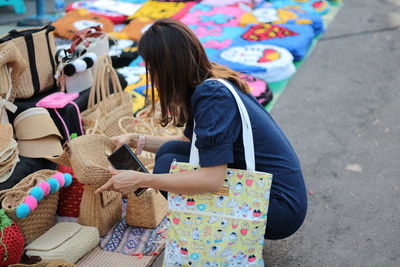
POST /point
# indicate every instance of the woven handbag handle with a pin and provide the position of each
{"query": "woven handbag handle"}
(101, 85)
(82, 35)
(148, 129)
(246, 129)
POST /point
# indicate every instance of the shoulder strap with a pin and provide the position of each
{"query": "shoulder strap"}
(247, 132)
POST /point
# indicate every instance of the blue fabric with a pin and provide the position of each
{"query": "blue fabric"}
(317, 21)
(219, 140)
(297, 44)
(307, 6)
(220, 34)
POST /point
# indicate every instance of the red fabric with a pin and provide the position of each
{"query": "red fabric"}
(12, 238)
(70, 197)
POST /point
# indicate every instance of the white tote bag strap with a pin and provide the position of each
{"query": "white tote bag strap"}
(247, 133)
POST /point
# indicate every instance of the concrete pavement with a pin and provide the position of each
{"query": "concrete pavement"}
(342, 113)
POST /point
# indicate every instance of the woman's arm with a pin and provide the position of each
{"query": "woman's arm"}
(204, 180)
(152, 143)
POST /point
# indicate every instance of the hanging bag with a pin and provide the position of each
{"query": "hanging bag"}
(37, 46)
(224, 228)
(104, 108)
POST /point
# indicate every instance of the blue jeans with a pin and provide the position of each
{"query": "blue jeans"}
(285, 214)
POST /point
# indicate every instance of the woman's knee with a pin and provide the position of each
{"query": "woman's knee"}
(174, 147)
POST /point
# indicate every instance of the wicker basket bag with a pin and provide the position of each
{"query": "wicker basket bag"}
(86, 155)
(39, 220)
(105, 108)
(146, 210)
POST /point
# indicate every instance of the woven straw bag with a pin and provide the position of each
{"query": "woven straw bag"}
(105, 108)
(43, 217)
(102, 211)
(135, 125)
(146, 210)
(37, 46)
(86, 155)
(10, 58)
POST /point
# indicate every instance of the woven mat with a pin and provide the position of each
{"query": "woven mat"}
(130, 240)
(102, 258)
(117, 246)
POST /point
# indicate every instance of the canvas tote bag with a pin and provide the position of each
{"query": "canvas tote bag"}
(224, 228)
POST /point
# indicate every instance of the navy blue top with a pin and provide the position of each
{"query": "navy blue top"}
(219, 135)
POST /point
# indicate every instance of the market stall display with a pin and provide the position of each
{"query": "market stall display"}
(58, 110)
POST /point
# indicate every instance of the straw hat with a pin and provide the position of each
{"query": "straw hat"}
(37, 135)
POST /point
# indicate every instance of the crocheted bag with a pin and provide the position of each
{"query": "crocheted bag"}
(11, 241)
(71, 196)
(60, 100)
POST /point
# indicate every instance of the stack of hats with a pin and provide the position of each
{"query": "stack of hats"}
(37, 135)
(8, 152)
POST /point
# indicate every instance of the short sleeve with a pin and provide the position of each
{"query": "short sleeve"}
(217, 123)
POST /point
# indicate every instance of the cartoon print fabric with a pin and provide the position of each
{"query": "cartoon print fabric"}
(317, 6)
(259, 88)
(297, 39)
(267, 62)
(268, 14)
(221, 229)
(215, 38)
(158, 10)
(202, 14)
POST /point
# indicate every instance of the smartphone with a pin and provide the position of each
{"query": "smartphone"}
(124, 159)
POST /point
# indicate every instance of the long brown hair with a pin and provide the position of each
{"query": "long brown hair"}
(176, 63)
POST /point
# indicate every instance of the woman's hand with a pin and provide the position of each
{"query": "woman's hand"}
(128, 139)
(123, 181)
